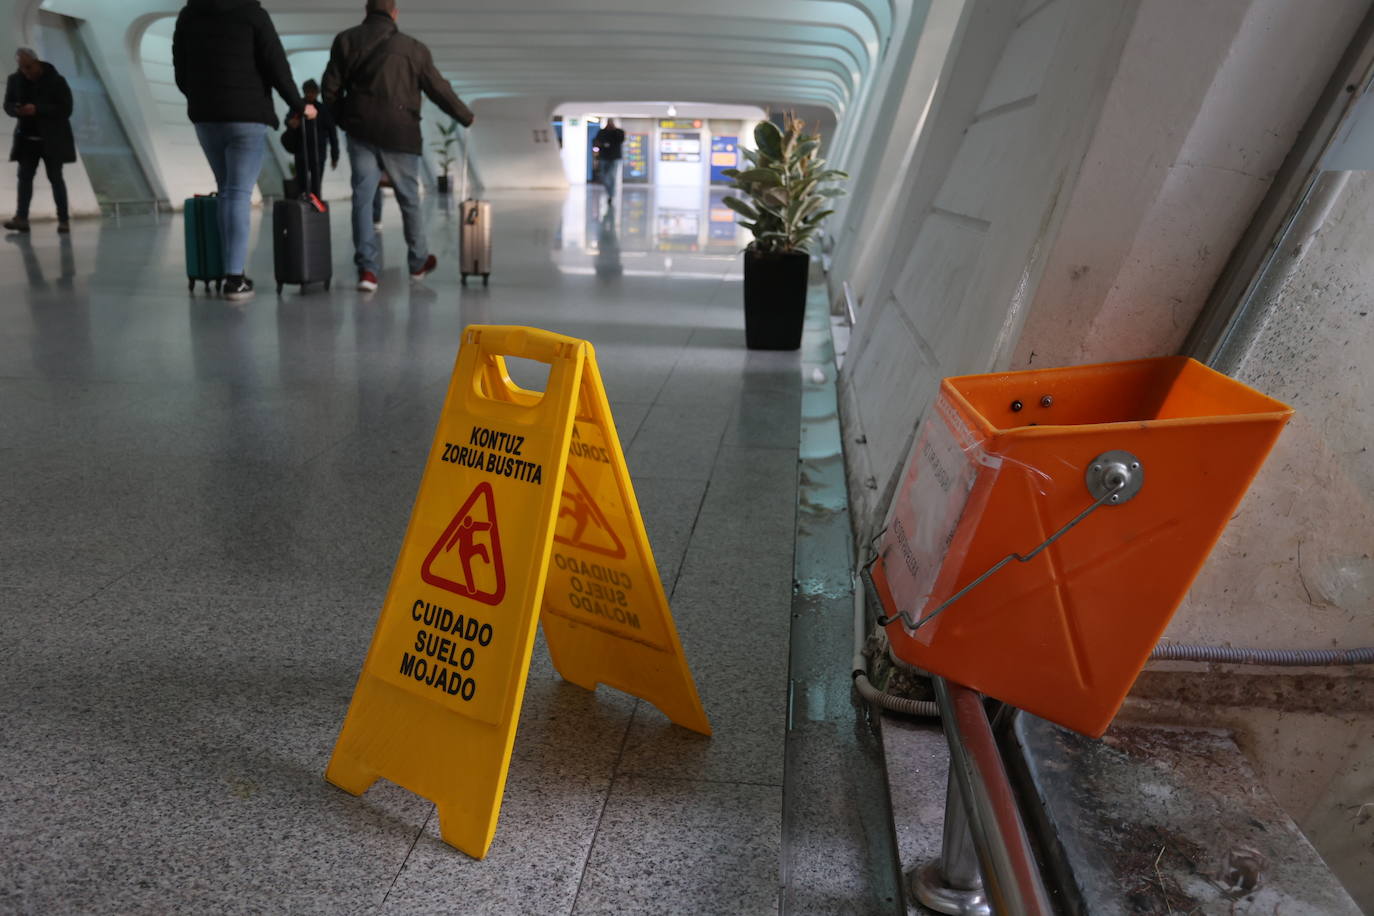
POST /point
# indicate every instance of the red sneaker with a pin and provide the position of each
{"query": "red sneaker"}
(367, 281)
(431, 262)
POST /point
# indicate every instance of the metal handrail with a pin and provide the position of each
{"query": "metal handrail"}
(1011, 877)
(156, 204)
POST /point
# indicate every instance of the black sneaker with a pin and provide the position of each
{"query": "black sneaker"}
(17, 225)
(238, 288)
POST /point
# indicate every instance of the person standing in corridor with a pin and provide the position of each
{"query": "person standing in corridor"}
(228, 59)
(373, 83)
(608, 141)
(40, 98)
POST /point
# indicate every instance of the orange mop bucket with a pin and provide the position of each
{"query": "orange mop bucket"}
(1049, 523)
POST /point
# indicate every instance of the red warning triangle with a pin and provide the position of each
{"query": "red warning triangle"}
(467, 557)
(589, 529)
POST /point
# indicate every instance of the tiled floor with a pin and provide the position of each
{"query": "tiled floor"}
(199, 508)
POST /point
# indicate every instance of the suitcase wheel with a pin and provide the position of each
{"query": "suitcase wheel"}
(279, 287)
(486, 279)
(191, 285)
(326, 284)
(465, 279)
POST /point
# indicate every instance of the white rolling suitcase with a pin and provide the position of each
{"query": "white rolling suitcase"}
(474, 236)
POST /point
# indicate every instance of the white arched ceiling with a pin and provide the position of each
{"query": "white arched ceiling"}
(810, 52)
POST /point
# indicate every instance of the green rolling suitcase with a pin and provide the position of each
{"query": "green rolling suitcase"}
(204, 250)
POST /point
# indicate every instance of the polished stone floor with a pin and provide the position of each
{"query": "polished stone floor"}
(200, 504)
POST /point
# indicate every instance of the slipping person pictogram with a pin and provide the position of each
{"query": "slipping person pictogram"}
(579, 508)
(470, 536)
(578, 505)
(468, 548)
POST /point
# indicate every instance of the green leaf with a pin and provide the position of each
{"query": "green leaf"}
(834, 175)
(832, 192)
(816, 218)
(763, 176)
(740, 207)
(768, 139)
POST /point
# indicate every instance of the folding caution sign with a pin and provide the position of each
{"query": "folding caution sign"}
(1049, 523)
(525, 511)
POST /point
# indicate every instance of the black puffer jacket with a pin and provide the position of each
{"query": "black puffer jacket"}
(51, 95)
(228, 59)
(376, 96)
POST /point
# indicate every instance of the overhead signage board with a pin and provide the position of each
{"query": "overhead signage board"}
(679, 146)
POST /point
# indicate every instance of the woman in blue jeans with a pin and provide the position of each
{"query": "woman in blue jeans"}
(228, 59)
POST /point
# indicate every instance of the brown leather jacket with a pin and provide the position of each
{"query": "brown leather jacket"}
(373, 84)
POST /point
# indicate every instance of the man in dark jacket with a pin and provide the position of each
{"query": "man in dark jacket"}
(607, 143)
(373, 84)
(323, 140)
(228, 59)
(40, 98)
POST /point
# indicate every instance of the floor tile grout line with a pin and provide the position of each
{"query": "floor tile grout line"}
(409, 852)
(687, 546)
(605, 803)
(705, 782)
(158, 554)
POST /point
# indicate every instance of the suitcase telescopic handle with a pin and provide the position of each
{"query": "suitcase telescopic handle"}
(467, 138)
(1112, 479)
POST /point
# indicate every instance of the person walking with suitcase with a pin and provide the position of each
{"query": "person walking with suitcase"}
(373, 83)
(40, 98)
(228, 58)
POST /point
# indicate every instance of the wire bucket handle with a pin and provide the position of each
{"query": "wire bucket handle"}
(1113, 478)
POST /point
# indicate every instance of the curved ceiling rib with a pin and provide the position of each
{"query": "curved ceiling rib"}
(751, 51)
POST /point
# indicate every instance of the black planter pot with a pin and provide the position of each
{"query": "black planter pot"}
(442, 182)
(775, 299)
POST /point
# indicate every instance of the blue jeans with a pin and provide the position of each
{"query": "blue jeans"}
(368, 162)
(235, 150)
(610, 174)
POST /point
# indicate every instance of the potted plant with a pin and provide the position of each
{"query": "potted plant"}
(786, 184)
(444, 148)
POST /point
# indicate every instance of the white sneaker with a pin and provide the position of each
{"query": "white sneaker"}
(377, 227)
(367, 281)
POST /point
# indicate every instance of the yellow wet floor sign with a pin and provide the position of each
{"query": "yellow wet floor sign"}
(525, 511)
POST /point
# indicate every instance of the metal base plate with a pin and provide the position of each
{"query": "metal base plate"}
(929, 888)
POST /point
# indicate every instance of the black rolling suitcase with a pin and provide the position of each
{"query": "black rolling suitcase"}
(300, 228)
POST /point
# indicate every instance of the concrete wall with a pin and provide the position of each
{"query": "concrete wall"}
(1207, 102)
(1006, 135)
(514, 143)
(1111, 148)
(1295, 567)
(865, 219)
